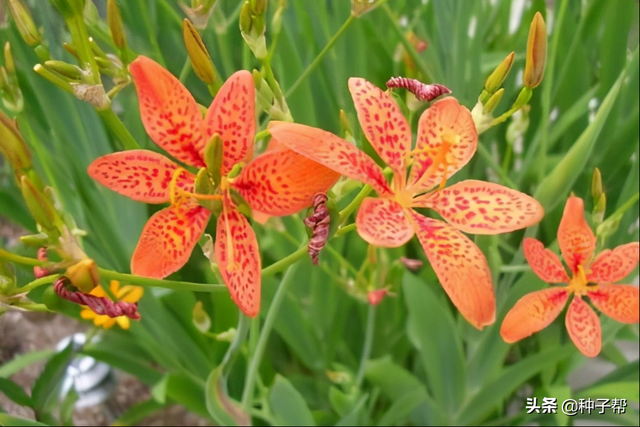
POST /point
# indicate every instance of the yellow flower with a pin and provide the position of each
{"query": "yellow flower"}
(127, 293)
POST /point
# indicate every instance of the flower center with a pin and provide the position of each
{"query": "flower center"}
(440, 156)
(579, 284)
(180, 196)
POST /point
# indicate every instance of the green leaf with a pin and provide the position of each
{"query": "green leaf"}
(159, 390)
(45, 389)
(15, 393)
(138, 412)
(224, 410)
(353, 417)
(21, 361)
(288, 405)
(67, 406)
(8, 420)
(627, 390)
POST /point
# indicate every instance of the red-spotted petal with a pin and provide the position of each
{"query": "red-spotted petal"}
(481, 207)
(583, 326)
(620, 302)
(461, 268)
(383, 222)
(238, 258)
(614, 265)
(447, 140)
(575, 237)
(281, 182)
(330, 151)
(169, 113)
(544, 262)
(532, 313)
(382, 122)
(232, 116)
(168, 239)
(142, 175)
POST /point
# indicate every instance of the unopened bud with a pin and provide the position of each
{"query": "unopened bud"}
(490, 106)
(360, 7)
(376, 297)
(24, 22)
(258, 7)
(114, 20)
(12, 146)
(599, 208)
(411, 264)
(39, 239)
(198, 54)
(523, 98)
(67, 70)
(70, 8)
(245, 18)
(8, 282)
(276, 21)
(536, 52)
(495, 80)
(72, 50)
(596, 185)
(39, 206)
(84, 275)
(252, 27)
(201, 319)
(8, 59)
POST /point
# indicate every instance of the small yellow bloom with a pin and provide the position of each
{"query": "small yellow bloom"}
(126, 293)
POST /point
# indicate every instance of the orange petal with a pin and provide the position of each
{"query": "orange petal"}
(232, 116)
(614, 265)
(583, 326)
(461, 268)
(168, 239)
(169, 113)
(620, 302)
(447, 140)
(575, 237)
(332, 152)
(544, 262)
(238, 258)
(382, 222)
(282, 182)
(139, 174)
(532, 313)
(481, 207)
(382, 122)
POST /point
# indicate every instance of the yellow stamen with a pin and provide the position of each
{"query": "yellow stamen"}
(579, 283)
(441, 156)
(231, 264)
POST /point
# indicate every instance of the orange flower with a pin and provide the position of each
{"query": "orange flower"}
(537, 310)
(447, 140)
(278, 182)
(130, 294)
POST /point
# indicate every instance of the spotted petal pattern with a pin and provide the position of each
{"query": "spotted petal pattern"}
(575, 237)
(544, 262)
(532, 313)
(620, 302)
(447, 140)
(169, 113)
(614, 265)
(168, 239)
(232, 116)
(141, 175)
(383, 222)
(281, 182)
(461, 268)
(583, 326)
(332, 152)
(481, 207)
(238, 258)
(382, 122)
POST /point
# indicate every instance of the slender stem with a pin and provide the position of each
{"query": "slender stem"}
(37, 283)
(284, 263)
(364, 192)
(249, 383)
(233, 350)
(186, 68)
(346, 229)
(482, 150)
(514, 268)
(18, 259)
(368, 343)
(115, 126)
(321, 55)
(159, 283)
(33, 307)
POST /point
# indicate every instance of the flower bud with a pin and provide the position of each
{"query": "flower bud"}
(599, 208)
(252, 26)
(411, 264)
(490, 106)
(495, 80)
(67, 70)
(360, 7)
(523, 98)
(8, 282)
(114, 20)
(39, 206)
(39, 239)
(536, 52)
(596, 185)
(84, 275)
(69, 8)
(201, 319)
(376, 297)
(12, 146)
(8, 59)
(198, 54)
(24, 22)
(213, 157)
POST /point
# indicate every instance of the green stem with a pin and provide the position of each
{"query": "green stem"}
(33, 307)
(364, 192)
(284, 263)
(515, 268)
(159, 283)
(118, 129)
(18, 259)
(252, 372)
(321, 55)
(234, 349)
(368, 343)
(37, 283)
(184, 72)
(484, 153)
(274, 85)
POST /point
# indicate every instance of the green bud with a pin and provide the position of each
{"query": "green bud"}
(213, 158)
(24, 22)
(493, 102)
(36, 240)
(596, 185)
(599, 208)
(8, 59)
(198, 53)
(12, 146)
(201, 319)
(258, 7)
(252, 28)
(523, 98)
(67, 70)
(84, 275)
(495, 80)
(39, 206)
(245, 18)
(8, 282)
(70, 8)
(42, 52)
(116, 26)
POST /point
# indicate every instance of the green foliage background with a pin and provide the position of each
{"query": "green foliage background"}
(423, 364)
